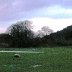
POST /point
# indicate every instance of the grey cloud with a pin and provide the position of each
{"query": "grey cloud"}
(32, 4)
(10, 9)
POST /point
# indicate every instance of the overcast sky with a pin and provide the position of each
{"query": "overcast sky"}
(56, 14)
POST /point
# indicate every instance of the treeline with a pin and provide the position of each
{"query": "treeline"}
(21, 35)
(60, 38)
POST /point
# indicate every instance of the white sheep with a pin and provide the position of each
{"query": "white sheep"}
(16, 55)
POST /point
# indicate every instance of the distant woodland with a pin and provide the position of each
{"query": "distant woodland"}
(21, 35)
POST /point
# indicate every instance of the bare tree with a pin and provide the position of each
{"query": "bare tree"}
(45, 30)
(21, 33)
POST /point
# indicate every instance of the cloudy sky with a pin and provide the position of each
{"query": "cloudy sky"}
(57, 14)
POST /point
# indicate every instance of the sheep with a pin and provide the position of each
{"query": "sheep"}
(16, 55)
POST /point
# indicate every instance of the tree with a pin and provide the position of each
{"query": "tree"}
(45, 30)
(5, 40)
(21, 33)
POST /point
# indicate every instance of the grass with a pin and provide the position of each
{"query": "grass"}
(52, 60)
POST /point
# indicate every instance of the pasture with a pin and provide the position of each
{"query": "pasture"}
(57, 59)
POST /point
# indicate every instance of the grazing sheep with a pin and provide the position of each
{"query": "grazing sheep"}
(16, 55)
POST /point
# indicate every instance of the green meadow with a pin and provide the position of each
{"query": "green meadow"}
(57, 59)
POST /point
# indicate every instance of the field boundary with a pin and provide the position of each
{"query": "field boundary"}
(20, 52)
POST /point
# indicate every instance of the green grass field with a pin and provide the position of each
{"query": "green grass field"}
(51, 60)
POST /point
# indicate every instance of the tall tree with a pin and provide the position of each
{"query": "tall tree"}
(21, 33)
